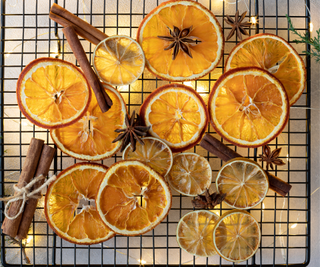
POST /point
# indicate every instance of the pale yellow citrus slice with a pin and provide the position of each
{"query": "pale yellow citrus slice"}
(205, 28)
(275, 55)
(244, 182)
(69, 205)
(236, 236)
(195, 233)
(190, 174)
(52, 93)
(133, 198)
(155, 153)
(118, 60)
(248, 107)
(91, 137)
(177, 115)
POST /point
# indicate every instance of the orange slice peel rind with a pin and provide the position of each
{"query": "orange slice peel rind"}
(182, 14)
(248, 107)
(90, 138)
(52, 93)
(274, 54)
(133, 198)
(177, 115)
(62, 202)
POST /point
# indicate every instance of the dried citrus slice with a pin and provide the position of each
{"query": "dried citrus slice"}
(275, 55)
(236, 236)
(204, 40)
(195, 233)
(118, 60)
(248, 107)
(155, 153)
(91, 137)
(190, 174)
(244, 182)
(132, 198)
(73, 188)
(177, 115)
(52, 93)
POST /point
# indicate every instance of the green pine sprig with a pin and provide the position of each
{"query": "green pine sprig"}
(305, 38)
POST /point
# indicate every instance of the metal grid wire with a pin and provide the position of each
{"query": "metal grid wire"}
(27, 33)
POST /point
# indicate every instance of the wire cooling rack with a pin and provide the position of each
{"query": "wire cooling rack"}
(27, 33)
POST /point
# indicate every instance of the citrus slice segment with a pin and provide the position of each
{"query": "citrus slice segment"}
(91, 137)
(244, 182)
(177, 115)
(195, 233)
(76, 185)
(118, 60)
(236, 236)
(133, 198)
(190, 174)
(274, 54)
(205, 40)
(52, 93)
(155, 153)
(248, 107)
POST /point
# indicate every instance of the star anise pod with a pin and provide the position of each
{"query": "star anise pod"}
(271, 157)
(237, 25)
(180, 41)
(208, 201)
(132, 132)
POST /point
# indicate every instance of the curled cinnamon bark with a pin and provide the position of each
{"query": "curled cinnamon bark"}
(214, 146)
(103, 99)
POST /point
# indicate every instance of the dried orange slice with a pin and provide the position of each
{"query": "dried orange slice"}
(190, 174)
(91, 137)
(236, 236)
(118, 60)
(132, 198)
(155, 153)
(73, 189)
(248, 107)
(52, 93)
(244, 182)
(205, 40)
(195, 233)
(275, 55)
(177, 115)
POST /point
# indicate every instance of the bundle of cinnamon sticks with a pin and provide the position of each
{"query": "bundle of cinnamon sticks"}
(73, 26)
(37, 162)
(214, 146)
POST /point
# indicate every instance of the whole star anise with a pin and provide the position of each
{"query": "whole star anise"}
(271, 157)
(237, 25)
(180, 41)
(132, 132)
(208, 201)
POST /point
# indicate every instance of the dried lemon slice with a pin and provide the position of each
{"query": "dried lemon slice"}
(190, 174)
(118, 60)
(236, 236)
(155, 153)
(194, 233)
(244, 182)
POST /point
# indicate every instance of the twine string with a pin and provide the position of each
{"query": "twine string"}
(25, 193)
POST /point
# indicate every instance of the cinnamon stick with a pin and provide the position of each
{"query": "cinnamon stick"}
(65, 23)
(103, 99)
(10, 227)
(214, 146)
(46, 158)
(85, 26)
